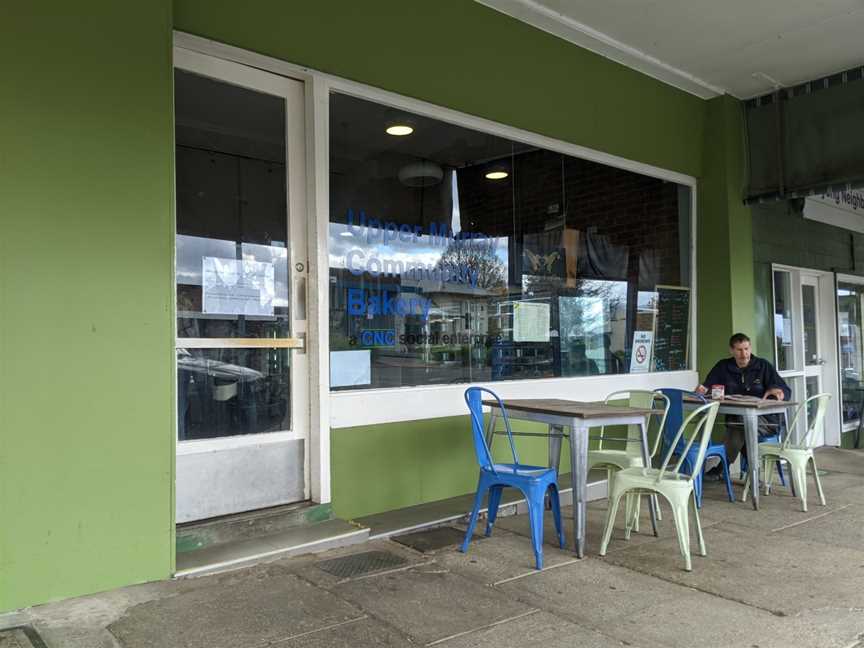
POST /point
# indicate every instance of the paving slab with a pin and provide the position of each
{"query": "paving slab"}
(590, 592)
(361, 633)
(540, 630)
(697, 619)
(843, 526)
(271, 606)
(503, 556)
(430, 603)
(840, 460)
(777, 573)
(594, 525)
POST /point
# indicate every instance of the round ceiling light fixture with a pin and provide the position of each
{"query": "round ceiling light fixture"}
(421, 174)
(496, 175)
(399, 130)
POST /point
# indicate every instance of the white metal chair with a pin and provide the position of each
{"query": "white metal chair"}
(673, 485)
(797, 455)
(630, 455)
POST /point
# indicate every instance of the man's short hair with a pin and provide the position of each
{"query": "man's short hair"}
(738, 338)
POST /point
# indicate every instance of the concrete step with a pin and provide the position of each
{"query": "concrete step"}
(242, 552)
(194, 536)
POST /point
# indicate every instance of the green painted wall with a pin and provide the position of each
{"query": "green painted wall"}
(462, 55)
(416, 462)
(724, 236)
(86, 338)
(86, 290)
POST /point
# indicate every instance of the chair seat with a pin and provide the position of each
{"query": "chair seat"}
(620, 458)
(523, 470)
(774, 450)
(647, 478)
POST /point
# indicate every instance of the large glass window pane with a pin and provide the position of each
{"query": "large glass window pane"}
(783, 333)
(457, 256)
(231, 257)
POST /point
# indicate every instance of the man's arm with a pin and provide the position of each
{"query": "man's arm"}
(775, 385)
(714, 377)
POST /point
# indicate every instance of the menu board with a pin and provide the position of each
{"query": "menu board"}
(671, 328)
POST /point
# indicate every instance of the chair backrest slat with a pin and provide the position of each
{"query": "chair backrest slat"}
(676, 413)
(643, 399)
(703, 419)
(815, 422)
(474, 400)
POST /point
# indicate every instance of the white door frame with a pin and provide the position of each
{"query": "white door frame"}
(827, 342)
(195, 458)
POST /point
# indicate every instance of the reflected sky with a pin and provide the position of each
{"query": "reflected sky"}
(408, 253)
(192, 249)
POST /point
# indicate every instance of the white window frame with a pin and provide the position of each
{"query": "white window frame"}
(374, 406)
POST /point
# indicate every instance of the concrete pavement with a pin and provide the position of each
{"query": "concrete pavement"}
(776, 577)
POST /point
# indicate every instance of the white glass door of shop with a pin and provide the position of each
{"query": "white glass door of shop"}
(241, 258)
(805, 343)
(850, 317)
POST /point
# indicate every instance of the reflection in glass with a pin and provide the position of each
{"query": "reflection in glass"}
(849, 302)
(783, 334)
(811, 343)
(457, 256)
(232, 275)
(224, 392)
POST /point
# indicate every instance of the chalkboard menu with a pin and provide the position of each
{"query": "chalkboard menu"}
(672, 328)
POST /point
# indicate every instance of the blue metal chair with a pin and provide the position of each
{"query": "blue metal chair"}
(533, 481)
(673, 423)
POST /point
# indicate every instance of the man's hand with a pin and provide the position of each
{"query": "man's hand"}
(776, 392)
(701, 389)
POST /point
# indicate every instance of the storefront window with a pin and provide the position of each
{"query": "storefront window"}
(849, 304)
(783, 334)
(457, 256)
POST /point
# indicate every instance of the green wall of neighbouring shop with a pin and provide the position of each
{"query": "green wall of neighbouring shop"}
(86, 331)
(804, 243)
(86, 289)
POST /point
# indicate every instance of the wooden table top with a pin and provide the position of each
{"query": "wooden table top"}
(569, 408)
(734, 402)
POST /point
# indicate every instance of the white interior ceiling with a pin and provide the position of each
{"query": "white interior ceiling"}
(741, 47)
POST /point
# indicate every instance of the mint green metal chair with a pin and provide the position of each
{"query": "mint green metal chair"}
(613, 459)
(797, 455)
(667, 482)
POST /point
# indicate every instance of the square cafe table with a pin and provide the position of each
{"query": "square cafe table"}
(750, 411)
(579, 417)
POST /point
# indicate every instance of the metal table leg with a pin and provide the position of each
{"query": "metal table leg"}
(646, 458)
(490, 429)
(579, 481)
(555, 434)
(751, 437)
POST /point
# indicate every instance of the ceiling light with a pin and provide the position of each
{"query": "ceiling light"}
(496, 175)
(399, 130)
(420, 174)
(345, 233)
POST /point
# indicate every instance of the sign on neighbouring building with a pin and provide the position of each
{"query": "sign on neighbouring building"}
(839, 208)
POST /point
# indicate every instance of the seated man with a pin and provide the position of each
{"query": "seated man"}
(745, 374)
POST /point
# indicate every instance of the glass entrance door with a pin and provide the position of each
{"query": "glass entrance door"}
(240, 259)
(850, 317)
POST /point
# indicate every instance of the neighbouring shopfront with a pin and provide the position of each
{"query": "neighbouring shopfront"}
(265, 297)
(815, 280)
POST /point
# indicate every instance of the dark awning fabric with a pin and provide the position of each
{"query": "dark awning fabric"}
(807, 139)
